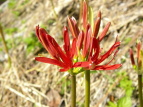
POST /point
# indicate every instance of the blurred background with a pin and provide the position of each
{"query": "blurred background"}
(27, 83)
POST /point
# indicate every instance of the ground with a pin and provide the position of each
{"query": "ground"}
(28, 83)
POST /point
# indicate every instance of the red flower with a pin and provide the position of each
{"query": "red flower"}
(60, 58)
(88, 42)
(139, 62)
(95, 57)
(85, 46)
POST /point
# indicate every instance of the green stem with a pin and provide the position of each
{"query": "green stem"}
(140, 89)
(73, 90)
(87, 88)
(53, 7)
(5, 46)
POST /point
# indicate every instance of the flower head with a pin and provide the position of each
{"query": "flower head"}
(137, 65)
(84, 51)
(60, 57)
(88, 41)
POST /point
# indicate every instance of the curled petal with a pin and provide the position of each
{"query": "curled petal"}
(41, 34)
(43, 37)
(73, 27)
(50, 61)
(85, 13)
(105, 30)
(37, 32)
(96, 48)
(79, 40)
(99, 14)
(113, 57)
(86, 42)
(66, 40)
(73, 48)
(132, 57)
(107, 67)
(109, 52)
(90, 49)
(64, 69)
(97, 25)
(51, 48)
(138, 51)
(60, 52)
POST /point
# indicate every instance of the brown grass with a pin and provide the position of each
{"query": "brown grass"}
(33, 84)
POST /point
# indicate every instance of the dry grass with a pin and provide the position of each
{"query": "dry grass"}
(33, 84)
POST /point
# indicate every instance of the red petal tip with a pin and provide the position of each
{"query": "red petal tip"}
(99, 13)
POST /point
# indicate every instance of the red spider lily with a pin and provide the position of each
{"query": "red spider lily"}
(88, 42)
(95, 58)
(139, 65)
(92, 52)
(60, 58)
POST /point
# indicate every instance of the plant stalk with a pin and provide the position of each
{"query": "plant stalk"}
(53, 8)
(140, 89)
(73, 90)
(87, 88)
(5, 46)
